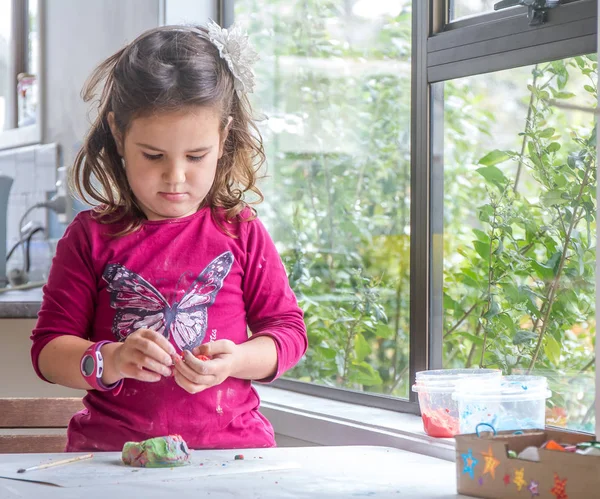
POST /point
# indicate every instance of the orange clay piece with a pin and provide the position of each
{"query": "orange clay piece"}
(203, 358)
(552, 445)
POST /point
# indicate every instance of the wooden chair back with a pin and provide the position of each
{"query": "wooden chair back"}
(31, 425)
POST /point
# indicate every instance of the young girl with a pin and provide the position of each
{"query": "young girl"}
(173, 264)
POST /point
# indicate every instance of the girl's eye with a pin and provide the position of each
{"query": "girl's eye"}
(152, 157)
(195, 159)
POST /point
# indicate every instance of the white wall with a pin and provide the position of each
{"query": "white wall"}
(79, 34)
(190, 11)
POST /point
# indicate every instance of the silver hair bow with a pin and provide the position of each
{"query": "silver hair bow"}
(235, 48)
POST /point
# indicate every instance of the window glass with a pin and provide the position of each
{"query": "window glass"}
(334, 85)
(519, 221)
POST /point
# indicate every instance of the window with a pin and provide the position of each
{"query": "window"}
(19, 73)
(433, 203)
(5, 37)
(334, 80)
(519, 228)
(465, 8)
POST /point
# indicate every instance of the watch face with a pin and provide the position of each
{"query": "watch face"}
(87, 366)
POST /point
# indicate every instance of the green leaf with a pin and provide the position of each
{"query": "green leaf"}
(506, 321)
(327, 353)
(554, 261)
(361, 347)
(483, 249)
(542, 271)
(500, 249)
(555, 197)
(481, 236)
(547, 133)
(552, 350)
(494, 157)
(384, 331)
(562, 79)
(553, 147)
(493, 311)
(364, 374)
(575, 161)
(486, 212)
(564, 95)
(523, 336)
(476, 340)
(590, 89)
(493, 175)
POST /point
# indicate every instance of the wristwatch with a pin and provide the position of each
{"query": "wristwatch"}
(92, 367)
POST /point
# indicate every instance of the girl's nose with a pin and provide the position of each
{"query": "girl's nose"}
(174, 173)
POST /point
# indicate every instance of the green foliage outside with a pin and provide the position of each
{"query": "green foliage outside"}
(519, 223)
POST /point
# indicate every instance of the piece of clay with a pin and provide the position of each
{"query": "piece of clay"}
(159, 452)
(199, 357)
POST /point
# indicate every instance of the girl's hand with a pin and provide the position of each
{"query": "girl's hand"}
(194, 375)
(145, 356)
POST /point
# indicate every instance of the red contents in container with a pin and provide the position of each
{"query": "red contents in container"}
(440, 424)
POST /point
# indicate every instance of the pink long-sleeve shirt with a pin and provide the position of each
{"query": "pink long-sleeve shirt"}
(189, 280)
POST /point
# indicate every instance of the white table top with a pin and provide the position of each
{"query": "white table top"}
(281, 473)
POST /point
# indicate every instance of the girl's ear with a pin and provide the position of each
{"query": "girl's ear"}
(117, 135)
(224, 135)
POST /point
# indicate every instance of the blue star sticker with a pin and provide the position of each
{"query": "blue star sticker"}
(470, 463)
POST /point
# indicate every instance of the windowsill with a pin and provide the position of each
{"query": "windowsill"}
(319, 421)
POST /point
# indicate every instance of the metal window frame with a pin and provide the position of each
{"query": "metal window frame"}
(493, 43)
(443, 50)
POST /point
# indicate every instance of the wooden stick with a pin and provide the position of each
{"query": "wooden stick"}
(56, 463)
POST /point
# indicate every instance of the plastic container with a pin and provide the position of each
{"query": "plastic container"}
(439, 410)
(506, 403)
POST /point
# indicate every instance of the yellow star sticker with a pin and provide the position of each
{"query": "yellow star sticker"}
(491, 463)
(519, 480)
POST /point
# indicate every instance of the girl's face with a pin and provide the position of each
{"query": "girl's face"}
(171, 159)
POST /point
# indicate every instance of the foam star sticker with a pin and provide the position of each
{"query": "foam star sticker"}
(491, 463)
(470, 463)
(506, 479)
(560, 488)
(519, 480)
(533, 488)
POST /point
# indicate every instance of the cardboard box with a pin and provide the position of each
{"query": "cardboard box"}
(484, 469)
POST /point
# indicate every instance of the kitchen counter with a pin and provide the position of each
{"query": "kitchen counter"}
(23, 304)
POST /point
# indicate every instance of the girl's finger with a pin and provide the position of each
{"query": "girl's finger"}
(144, 361)
(186, 384)
(191, 374)
(151, 365)
(199, 364)
(134, 372)
(213, 348)
(159, 340)
(151, 349)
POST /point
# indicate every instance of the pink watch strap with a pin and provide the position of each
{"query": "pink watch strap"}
(95, 379)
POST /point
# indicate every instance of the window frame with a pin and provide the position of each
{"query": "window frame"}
(443, 50)
(32, 134)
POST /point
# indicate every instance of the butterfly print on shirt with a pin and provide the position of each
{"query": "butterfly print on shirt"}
(140, 305)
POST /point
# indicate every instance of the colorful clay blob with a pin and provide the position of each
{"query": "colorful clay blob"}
(159, 452)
